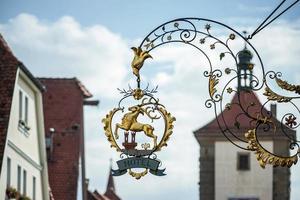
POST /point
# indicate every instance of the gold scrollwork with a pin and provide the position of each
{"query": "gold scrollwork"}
(213, 81)
(275, 97)
(138, 175)
(264, 157)
(138, 94)
(264, 119)
(108, 129)
(168, 128)
(286, 86)
(145, 146)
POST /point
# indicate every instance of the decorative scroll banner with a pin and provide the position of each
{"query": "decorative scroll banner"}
(140, 162)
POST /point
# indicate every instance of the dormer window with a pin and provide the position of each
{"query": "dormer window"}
(23, 112)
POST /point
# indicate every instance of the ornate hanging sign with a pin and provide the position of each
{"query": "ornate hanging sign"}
(139, 130)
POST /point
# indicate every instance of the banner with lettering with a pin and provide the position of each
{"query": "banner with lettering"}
(135, 162)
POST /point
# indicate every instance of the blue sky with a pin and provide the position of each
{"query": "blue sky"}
(134, 18)
(91, 40)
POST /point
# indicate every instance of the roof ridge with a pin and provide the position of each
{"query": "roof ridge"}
(5, 45)
(84, 90)
(58, 78)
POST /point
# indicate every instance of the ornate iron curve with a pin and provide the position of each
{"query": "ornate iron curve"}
(198, 33)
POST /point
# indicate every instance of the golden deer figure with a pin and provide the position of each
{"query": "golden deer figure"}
(130, 123)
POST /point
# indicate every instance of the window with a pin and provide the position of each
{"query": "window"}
(23, 112)
(8, 173)
(23, 107)
(33, 187)
(26, 110)
(19, 178)
(243, 161)
(24, 182)
(20, 105)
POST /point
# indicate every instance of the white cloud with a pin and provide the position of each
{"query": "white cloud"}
(278, 46)
(101, 58)
(65, 49)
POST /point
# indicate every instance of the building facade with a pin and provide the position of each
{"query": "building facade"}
(63, 103)
(230, 173)
(23, 164)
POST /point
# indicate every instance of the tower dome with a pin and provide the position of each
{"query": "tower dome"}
(245, 56)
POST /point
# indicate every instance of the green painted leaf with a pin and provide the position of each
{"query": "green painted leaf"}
(222, 55)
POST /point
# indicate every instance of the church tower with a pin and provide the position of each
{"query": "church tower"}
(230, 173)
(110, 188)
(245, 70)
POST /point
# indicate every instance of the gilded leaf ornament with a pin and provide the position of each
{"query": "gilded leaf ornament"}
(213, 81)
(108, 129)
(168, 128)
(264, 157)
(138, 175)
(286, 86)
(138, 60)
(275, 97)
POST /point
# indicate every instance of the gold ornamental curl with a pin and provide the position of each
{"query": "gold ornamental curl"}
(107, 128)
(138, 175)
(287, 86)
(271, 95)
(264, 157)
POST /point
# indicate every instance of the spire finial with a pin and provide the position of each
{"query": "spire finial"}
(245, 37)
(110, 182)
(110, 163)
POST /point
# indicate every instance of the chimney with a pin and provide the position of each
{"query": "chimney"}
(273, 109)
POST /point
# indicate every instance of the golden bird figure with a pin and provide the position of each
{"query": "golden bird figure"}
(138, 61)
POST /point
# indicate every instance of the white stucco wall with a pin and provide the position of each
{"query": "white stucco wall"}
(26, 150)
(232, 183)
(28, 143)
(31, 171)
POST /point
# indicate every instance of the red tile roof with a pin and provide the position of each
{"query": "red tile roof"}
(86, 94)
(8, 70)
(92, 196)
(111, 195)
(101, 196)
(247, 99)
(83, 89)
(63, 110)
